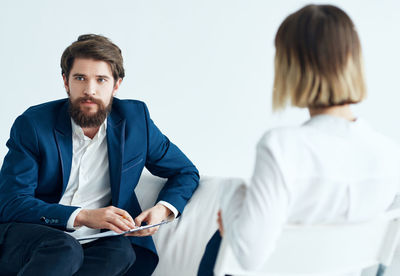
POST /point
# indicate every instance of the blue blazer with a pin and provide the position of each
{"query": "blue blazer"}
(37, 166)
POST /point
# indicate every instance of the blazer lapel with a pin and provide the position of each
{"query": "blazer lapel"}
(115, 144)
(63, 135)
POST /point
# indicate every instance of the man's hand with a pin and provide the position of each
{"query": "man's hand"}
(220, 225)
(110, 217)
(153, 215)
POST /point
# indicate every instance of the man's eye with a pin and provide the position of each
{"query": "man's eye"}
(79, 78)
(101, 80)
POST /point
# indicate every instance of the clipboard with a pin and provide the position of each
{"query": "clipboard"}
(112, 233)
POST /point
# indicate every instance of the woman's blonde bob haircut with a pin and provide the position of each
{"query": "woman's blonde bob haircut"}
(318, 61)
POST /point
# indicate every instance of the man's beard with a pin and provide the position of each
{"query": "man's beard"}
(86, 120)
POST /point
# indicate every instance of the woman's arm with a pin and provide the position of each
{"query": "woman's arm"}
(254, 216)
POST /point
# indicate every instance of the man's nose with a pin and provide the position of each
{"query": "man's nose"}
(90, 88)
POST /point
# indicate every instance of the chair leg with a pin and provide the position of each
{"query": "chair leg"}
(381, 270)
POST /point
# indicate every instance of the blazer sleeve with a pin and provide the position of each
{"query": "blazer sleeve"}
(19, 180)
(164, 159)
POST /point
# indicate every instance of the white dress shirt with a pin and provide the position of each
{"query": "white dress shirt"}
(327, 170)
(89, 182)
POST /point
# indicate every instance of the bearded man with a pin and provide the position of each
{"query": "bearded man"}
(71, 170)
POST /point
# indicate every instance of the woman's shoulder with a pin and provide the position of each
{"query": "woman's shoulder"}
(368, 135)
(281, 137)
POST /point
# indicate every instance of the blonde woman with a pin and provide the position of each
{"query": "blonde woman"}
(334, 167)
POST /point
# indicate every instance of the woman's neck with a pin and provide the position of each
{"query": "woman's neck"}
(342, 111)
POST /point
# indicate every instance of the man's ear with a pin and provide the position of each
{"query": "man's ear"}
(65, 83)
(116, 86)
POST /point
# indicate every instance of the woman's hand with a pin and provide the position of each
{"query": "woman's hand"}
(220, 225)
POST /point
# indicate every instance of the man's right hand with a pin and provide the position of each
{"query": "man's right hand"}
(110, 217)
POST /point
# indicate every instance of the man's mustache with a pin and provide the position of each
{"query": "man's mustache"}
(89, 98)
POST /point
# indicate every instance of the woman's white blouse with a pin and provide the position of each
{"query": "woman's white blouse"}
(326, 170)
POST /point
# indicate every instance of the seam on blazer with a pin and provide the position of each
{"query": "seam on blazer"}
(133, 165)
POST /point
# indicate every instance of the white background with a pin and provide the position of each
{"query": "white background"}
(205, 68)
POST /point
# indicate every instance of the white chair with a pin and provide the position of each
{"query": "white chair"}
(181, 243)
(324, 249)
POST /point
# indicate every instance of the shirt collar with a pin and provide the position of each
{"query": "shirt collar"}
(78, 131)
(334, 124)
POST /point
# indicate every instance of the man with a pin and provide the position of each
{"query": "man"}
(73, 165)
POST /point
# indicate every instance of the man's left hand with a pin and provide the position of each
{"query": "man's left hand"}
(154, 215)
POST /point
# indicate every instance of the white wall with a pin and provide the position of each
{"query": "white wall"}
(205, 67)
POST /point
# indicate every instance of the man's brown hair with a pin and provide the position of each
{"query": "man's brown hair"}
(96, 47)
(318, 61)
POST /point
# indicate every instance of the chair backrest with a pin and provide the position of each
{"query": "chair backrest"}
(324, 249)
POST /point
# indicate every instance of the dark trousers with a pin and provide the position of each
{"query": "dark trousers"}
(31, 249)
(145, 264)
(209, 258)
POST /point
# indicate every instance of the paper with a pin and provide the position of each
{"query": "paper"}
(112, 233)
